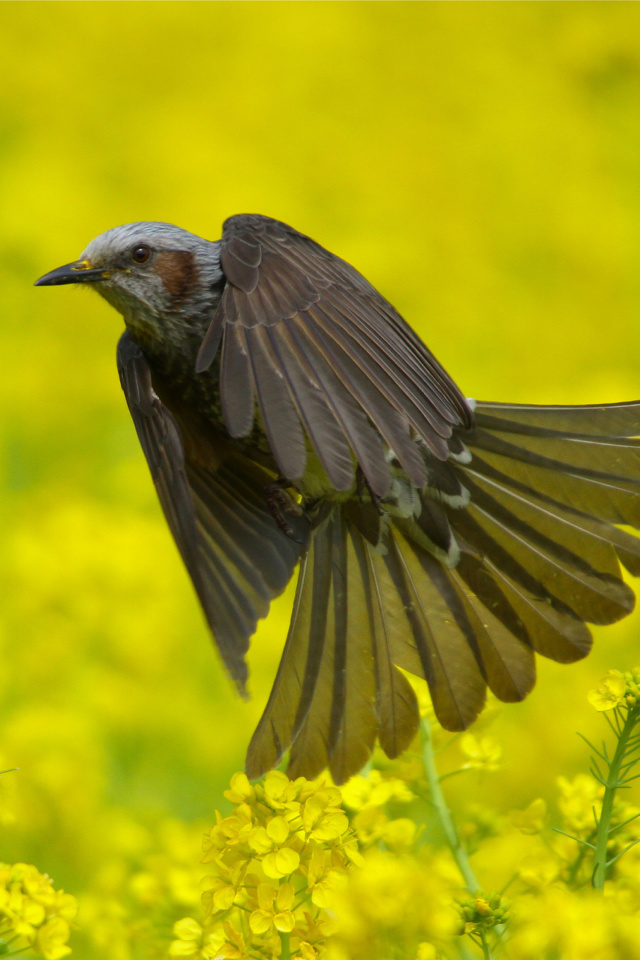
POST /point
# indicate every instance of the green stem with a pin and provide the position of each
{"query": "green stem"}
(285, 953)
(448, 826)
(442, 810)
(604, 821)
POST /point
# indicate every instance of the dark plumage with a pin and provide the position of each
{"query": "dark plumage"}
(288, 414)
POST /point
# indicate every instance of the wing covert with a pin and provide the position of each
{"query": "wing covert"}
(318, 350)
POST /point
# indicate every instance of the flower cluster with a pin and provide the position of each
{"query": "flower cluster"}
(563, 923)
(277, 860)
(481, 753)
(150, 879)
(306, 871)
(33, 914)
(396, 906)
(483, 912)
(617, 689)
(367, 799)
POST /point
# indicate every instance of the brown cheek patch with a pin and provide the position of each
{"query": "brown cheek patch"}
(178, 272)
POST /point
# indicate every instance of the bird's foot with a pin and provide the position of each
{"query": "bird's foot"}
(280, 503)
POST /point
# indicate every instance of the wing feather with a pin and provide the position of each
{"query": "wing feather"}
(280, 417)
(374, 375)
(213, 498)
(236, 382)
(319, 421)
(362, 437)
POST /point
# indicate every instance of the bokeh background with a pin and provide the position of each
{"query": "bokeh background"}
(478, 162)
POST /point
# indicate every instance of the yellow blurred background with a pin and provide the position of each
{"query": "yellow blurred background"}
(478, 162)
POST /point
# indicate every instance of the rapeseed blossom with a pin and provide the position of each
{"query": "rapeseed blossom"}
(277, 860)
(33, 914)
(531, 820)
(308, 871)
(610, 692)
(483, 912)
(393, 906)
(617, 689)
(481, 753)
(579, 926)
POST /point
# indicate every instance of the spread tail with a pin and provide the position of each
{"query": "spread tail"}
(507, 551)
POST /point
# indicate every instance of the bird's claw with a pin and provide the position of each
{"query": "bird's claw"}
(280, 503)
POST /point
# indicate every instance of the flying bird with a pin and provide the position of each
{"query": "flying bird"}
(289, 415)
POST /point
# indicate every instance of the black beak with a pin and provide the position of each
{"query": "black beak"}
(78, 272)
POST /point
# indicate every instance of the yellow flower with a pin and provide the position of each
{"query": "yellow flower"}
(281, 863)
(284, 842)
(584, 926)
(578, 799)
(305, 951)
(235, 947)
(189, 935)
(280, 792)
(274, 909)
(532, 819)
(374, 791)
(323, 891)
(426, 951)
(51, 939)
(399, 834)
(539, 871)
(228, 831)
(219, 893)
(610, 692)
(34, 912)
(390, 907)
(370, 824)
(241, 790)
(322, 817)
(483, 912)
(483, 754)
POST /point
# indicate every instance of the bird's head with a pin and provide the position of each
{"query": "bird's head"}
(149, 272)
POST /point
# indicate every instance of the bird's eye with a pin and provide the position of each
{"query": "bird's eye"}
(140, 254)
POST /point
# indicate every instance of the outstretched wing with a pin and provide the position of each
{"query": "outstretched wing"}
(306, 336)
(213, 499)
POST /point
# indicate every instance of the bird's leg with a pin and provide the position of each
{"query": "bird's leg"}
(280, 503)
(362, 486)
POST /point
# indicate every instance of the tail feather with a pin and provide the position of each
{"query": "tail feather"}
(340, 725)
(528, 556)
(506, 551)
(310, 749)
(395, 699)
(354, 719)
(508, 658)
(591, 420)
(293, 687)
(600, 458)
(561, 520)
(552, 631)
(595, 493)
(444, 643)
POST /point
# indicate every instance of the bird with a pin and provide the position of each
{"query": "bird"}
(291, 418)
